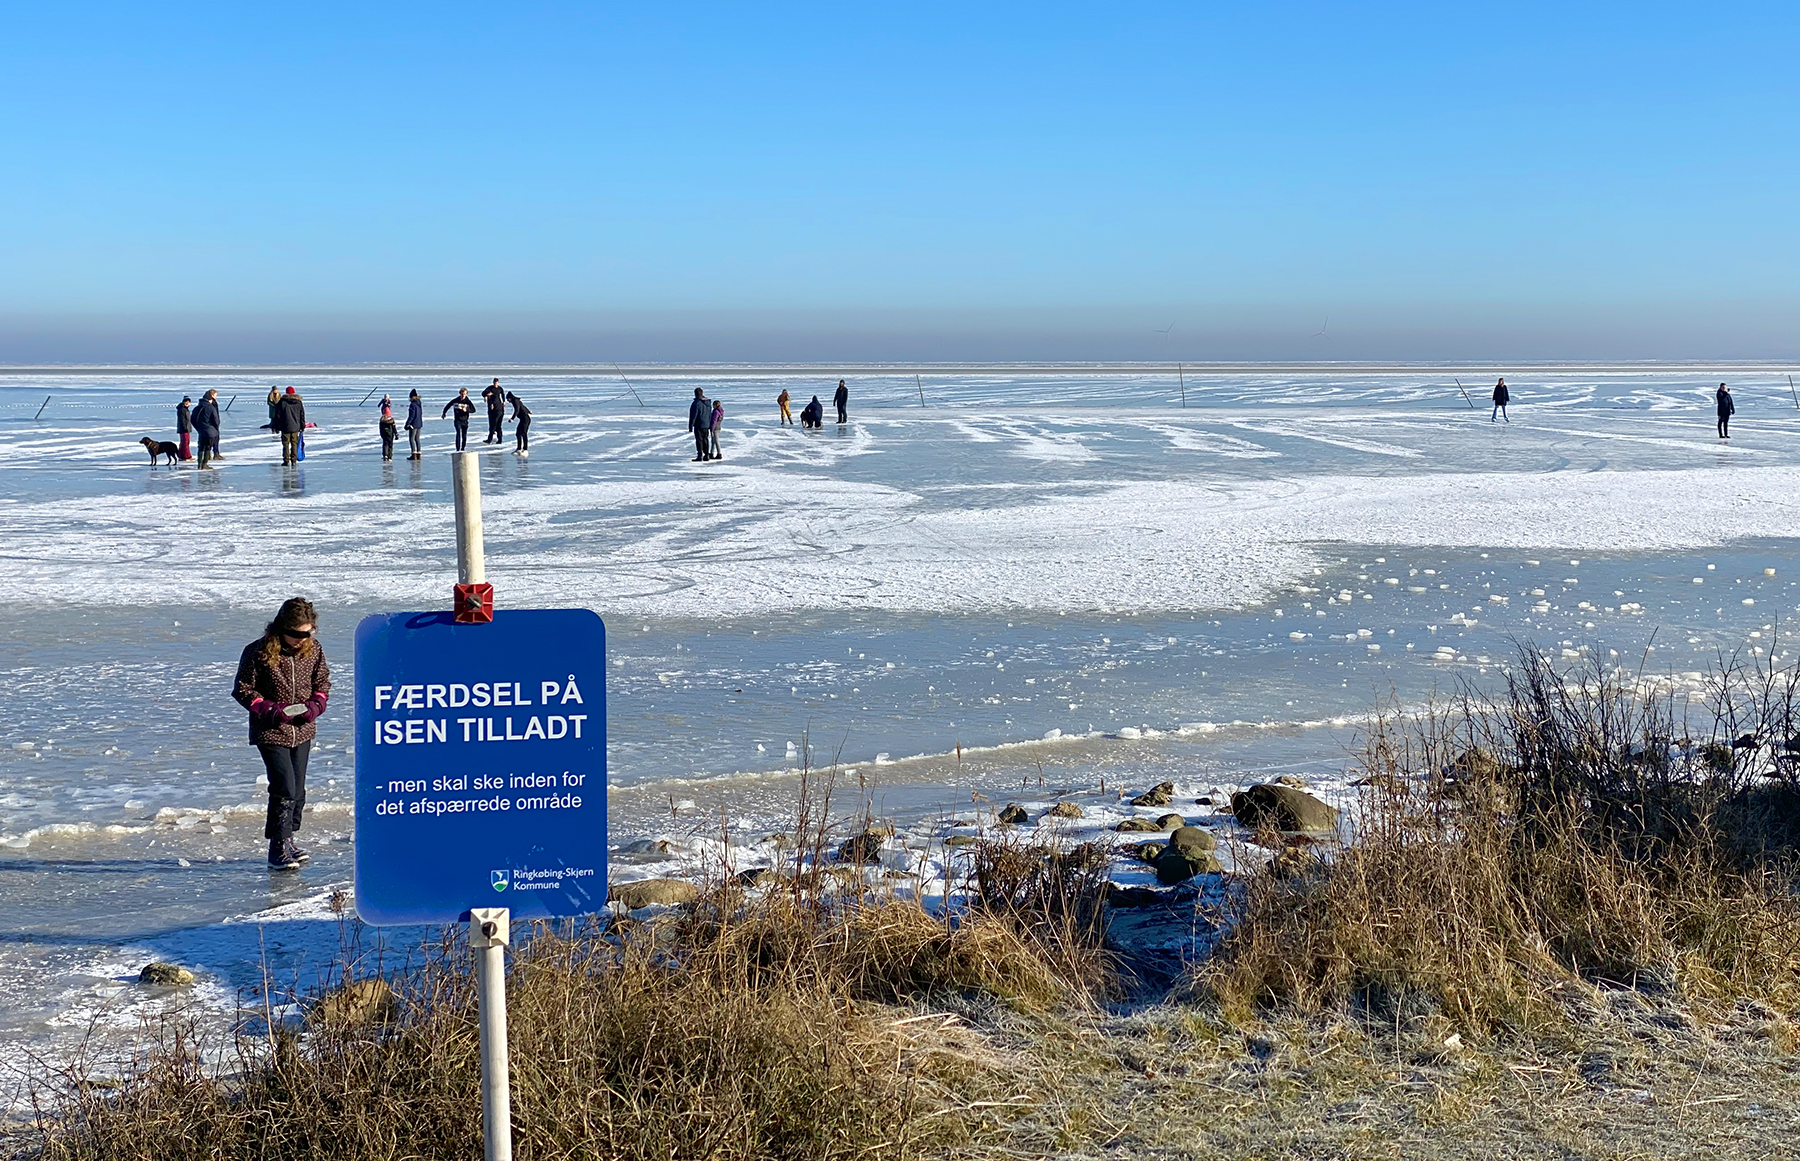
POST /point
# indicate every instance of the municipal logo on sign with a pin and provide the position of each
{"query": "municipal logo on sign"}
(499, 878)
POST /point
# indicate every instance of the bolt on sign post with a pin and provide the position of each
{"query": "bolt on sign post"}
(481, 776)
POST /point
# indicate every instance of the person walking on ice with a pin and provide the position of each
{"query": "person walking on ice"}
(464, 407)
(206, 427)
(388, 433)
(184, 424)
(1501, 397)
(1727, 408)
(842, 399)
(290, 421)
(781, 401)
(496, 409)
(716, 421)
(285, 684)
(522, 416)
(415, 423)
(700, 423)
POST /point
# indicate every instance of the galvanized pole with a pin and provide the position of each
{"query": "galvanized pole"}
(489, 927)
(489, 933)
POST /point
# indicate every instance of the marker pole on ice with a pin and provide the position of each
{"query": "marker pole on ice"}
(370, 395)
(228, 405)
(1791, 391)
(41, 407)
(1465, 395)
(629, 387)
(921, 388)
(1181, 377)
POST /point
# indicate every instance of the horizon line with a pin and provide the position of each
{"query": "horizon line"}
(683, 370)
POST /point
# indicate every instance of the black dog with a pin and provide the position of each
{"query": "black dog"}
(161, 448)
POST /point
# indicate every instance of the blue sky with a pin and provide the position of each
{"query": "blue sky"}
(693, 181)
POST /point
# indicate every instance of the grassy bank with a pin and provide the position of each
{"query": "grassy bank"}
(1566, 925)
(1580, 825)
(797, 1024)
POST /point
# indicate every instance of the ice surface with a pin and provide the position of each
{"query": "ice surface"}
(1067, 578)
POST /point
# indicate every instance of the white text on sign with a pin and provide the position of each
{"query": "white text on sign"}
(404, 730)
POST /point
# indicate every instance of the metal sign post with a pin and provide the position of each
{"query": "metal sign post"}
(481, 776)
(489, 932)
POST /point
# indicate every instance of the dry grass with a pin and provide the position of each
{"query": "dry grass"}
(1568, 828)
(1569, 859)
(736, 1028)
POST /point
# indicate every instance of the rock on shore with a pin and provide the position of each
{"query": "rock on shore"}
(653, 892)
(167, 975)
(1283, 808)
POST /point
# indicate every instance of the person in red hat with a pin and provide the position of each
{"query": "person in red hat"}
(290, 421)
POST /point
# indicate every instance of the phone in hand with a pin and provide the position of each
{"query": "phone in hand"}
(293, 711)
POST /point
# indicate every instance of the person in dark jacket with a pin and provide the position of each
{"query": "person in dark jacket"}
(1501, 396)
(388, 432)
(290, 421)
(842, 399)
(496, 409)
(1727, 408)
(522, 416)
(184, 424)
(464, 407)
(813, 414)
(285, 684)
(415, 423)
(700, 423)
(206, 427)
(274, 410)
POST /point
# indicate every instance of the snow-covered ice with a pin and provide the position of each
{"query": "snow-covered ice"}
(1065, 577)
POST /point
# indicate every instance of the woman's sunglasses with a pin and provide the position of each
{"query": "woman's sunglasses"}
(297, 634)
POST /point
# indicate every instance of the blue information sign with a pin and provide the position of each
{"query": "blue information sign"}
(480, 765)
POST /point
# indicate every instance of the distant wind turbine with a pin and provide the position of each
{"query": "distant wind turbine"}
(1320, 333)
(1164, 331)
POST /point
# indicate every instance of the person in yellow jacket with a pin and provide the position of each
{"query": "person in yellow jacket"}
(781, 401)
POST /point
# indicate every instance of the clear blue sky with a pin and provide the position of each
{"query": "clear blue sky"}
(1487, 180)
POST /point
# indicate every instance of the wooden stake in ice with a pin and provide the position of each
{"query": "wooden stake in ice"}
(489, 934)
(471, 568)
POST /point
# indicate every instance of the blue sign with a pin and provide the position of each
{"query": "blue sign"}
(480, 765)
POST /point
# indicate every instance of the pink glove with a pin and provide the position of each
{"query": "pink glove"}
(262, 709)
